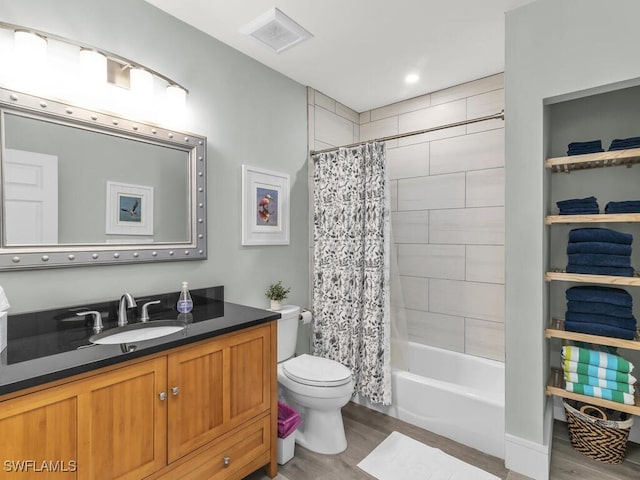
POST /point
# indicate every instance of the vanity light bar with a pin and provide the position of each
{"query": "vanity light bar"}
(123, 61)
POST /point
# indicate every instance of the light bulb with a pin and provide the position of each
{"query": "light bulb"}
(93, 67)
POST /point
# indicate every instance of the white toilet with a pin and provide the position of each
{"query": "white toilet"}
(316, 387)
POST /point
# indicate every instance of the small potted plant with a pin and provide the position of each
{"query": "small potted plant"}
(277, 293)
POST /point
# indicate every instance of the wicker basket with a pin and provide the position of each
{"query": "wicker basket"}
(595, 436)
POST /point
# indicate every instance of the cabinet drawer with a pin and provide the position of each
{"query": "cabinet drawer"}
(239, 453)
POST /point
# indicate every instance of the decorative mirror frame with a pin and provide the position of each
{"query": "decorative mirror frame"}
(47, 256)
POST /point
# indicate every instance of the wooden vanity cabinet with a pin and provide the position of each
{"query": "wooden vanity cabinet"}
(207, 410)
(215, 387)
(109, 426)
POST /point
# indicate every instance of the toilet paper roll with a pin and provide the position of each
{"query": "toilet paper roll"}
(305, 317)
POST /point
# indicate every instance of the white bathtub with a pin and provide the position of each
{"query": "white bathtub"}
(458, 396)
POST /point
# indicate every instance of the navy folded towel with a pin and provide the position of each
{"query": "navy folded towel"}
(598, 247)
(601, 308)
(595, 270)
(594, 293)
(574, 202)
(580, 148)
(628, 206)
(599, 235)
(628, 323)
(624, 143)
(579, 211)
(600, 259)
(598, 329)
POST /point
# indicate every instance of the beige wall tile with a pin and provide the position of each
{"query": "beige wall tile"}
(441, 191)
(415, 292)
(477, 151)
(484, 301)
(393, 193)
(485, 263)
(379, 129)
(347, 113)
(442, 331)
(318, 145)
(485, 188)
(365, 117)
(482, 85)
(472, 226)
(325, 102)
(432, 261)
(311, 97)
(410, 227)
(483, 105)
(433, 116)
(331, 128)
(410, 161)
(484, 339)
(311, 125)
(431, 136)
(398, 108)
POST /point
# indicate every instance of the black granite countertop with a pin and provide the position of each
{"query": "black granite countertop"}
(54, 344)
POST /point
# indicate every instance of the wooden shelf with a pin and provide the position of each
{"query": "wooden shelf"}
(584, 278)
(556, 330)
(596, 218)
(614, 158)
(556, 386)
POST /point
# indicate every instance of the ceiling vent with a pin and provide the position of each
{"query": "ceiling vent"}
(275, 30)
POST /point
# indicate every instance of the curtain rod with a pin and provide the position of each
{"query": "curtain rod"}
(495, 116)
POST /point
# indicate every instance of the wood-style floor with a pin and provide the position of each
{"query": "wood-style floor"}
(366, 428)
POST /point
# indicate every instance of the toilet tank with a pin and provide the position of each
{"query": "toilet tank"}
(288, 331)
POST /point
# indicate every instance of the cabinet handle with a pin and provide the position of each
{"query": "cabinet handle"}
(226, 461)
(162, 395)
(175, 391)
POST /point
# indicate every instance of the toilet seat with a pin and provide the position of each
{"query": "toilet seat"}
(316, 371)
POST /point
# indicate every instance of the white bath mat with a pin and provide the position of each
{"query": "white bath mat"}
(401, 457)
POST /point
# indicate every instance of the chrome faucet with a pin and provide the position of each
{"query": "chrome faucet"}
(126, 301)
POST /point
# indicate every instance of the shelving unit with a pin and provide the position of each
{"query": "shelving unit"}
(584, 278)
(556, 384)
(598, 218)
(556, 330)
(616, 158)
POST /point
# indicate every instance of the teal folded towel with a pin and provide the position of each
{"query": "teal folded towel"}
(599, 382)
(604, 393)
(593, 371)
(599, 359)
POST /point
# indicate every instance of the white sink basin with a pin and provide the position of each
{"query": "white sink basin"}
(137, 332)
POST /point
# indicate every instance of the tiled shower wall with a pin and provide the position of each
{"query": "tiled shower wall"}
(447, 207)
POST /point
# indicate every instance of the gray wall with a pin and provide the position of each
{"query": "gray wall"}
(87, 160)
(249, 113)
(553, 49)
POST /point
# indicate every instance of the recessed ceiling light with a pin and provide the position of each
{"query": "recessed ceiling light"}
(412, 78)
(276, 31)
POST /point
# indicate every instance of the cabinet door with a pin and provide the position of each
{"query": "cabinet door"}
(218, 384)
(39, 435)
(122, 419)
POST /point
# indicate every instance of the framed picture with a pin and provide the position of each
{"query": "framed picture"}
(129, 209)
(265, 207)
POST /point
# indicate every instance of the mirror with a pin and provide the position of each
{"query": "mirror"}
(82, 187)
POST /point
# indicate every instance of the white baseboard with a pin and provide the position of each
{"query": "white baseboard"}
(530, 458)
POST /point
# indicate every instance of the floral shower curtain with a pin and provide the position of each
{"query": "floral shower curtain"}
(351, 232)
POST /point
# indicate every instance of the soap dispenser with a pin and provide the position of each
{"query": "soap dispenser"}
(185, 303)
